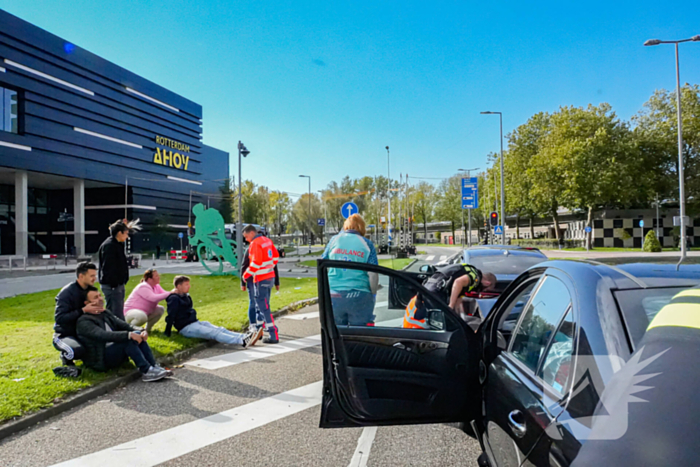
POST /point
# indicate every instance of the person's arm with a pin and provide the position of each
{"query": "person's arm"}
(457, 286)
(252, 255)
(151, 295)
(244, 267)
(91, 330)
(173, 302)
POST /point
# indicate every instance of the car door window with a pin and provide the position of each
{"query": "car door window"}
(514, 309)
(540, 321)
(556, 368)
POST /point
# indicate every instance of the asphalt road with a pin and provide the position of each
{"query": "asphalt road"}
(232, 407)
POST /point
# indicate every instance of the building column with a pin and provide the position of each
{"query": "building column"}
(21, 214)
(79, 216)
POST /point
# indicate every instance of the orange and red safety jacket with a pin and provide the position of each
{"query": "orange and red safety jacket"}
(263, 258)
(409, 318)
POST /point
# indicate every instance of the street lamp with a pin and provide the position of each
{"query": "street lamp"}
(681, 182)
(469, 211)
(503, 204)
(309, 177)
(325, 215)
(242, 151)
(388, 192)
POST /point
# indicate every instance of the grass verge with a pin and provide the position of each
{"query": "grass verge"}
(27, 357)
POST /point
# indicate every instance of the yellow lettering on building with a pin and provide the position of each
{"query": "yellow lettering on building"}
(187, 160)
(170, 158)
(177, 160)
(157, 158)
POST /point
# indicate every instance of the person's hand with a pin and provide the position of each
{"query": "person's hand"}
(243, 288)
(277, 287)
(136, 337)
(174, 290)
(144, 335)
(93, 308)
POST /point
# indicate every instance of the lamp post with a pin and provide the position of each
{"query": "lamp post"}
(325, 215)
(310, 227)
(469, 211)
(503, 204)
(388, 192)
(681, 181)
(242, 151)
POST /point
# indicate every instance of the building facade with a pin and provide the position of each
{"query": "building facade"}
(82, 136)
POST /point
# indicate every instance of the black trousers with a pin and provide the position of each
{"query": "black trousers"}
(140, 354)
(69, 347)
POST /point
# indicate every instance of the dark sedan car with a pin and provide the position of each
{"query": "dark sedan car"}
(527, 382)
(506, 262)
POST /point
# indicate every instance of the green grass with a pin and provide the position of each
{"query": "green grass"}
(26, 330)
(309, 262)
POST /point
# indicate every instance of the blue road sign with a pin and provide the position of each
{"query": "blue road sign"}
(587, 229)
(498, 230)
(349, 209)
(641, 223)
(321, 221)
(470, 193)
(180, 235)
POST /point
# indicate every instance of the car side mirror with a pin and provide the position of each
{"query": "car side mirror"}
(436, 319)
(427, 268)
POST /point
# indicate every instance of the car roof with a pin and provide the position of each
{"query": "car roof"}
(501, 247)
(634, 275)
(504, 251)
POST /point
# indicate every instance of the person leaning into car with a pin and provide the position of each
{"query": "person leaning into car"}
(464, 278)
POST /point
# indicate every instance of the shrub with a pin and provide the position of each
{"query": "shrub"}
(651, 243)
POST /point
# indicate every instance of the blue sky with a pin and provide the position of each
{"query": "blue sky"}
(320, 88)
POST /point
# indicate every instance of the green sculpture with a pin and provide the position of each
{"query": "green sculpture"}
(210, 242)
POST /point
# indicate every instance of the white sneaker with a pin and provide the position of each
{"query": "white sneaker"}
(154, 374)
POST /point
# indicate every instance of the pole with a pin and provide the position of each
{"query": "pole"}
(388, 174)
(189, 216)
(239, 224)
(658, 226)
(126, 195)
(681, 182)
(310, 226)
(65, 238)
(503, 190)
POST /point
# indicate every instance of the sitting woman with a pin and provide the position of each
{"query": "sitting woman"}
(142, 305)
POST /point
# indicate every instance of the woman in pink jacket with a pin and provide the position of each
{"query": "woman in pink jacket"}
(142, 305)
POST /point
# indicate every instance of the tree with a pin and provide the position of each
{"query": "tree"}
(424, 200)
(656, 130)
(449, 206)
(303, 220)
(227, 200)
(651, 243)
(280, 207)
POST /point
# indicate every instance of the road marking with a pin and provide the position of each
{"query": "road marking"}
(188, 437)
(443, 257)
(364, 445)
(255, 353)
(313, 314)
(430, 258)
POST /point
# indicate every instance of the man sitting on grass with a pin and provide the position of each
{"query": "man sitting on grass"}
(183, 316)
(110, 341)
(70, 305)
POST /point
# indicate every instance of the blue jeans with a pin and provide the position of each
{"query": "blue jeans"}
(353, 308)
(259, 309)
(206, 330)
(114, 300)
(140, 354)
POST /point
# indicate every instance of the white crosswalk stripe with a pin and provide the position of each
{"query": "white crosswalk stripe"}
(255, 353)
(430, 257)
(443, 257)
(188, 437)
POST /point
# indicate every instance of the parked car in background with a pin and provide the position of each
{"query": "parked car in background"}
(526, 382)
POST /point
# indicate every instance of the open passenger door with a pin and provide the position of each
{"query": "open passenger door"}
(378, 372)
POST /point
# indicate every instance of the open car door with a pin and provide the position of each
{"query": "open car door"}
(378, 372)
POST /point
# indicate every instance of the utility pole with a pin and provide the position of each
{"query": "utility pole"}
(242, 151)
(388, 173)
(310, 226)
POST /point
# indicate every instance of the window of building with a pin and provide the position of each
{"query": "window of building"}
(9, 110)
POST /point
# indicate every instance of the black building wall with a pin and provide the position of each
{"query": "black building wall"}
(92, 96)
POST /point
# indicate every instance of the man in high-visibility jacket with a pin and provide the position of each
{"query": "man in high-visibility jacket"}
(456, 279)
(656, 392)
(260, 273)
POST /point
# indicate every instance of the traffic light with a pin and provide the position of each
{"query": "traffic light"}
(494, 218)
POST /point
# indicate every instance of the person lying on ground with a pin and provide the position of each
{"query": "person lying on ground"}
(69, 307)
(110, 341)
(142, 305)
(183, 316)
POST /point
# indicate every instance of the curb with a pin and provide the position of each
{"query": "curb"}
(86, 395)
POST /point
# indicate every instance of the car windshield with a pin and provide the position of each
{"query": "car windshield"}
(504, 264)
(639, 306)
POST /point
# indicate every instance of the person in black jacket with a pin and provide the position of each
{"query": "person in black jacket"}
(114, 269)
(110, 341)
(69, 307)
(183, 316)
